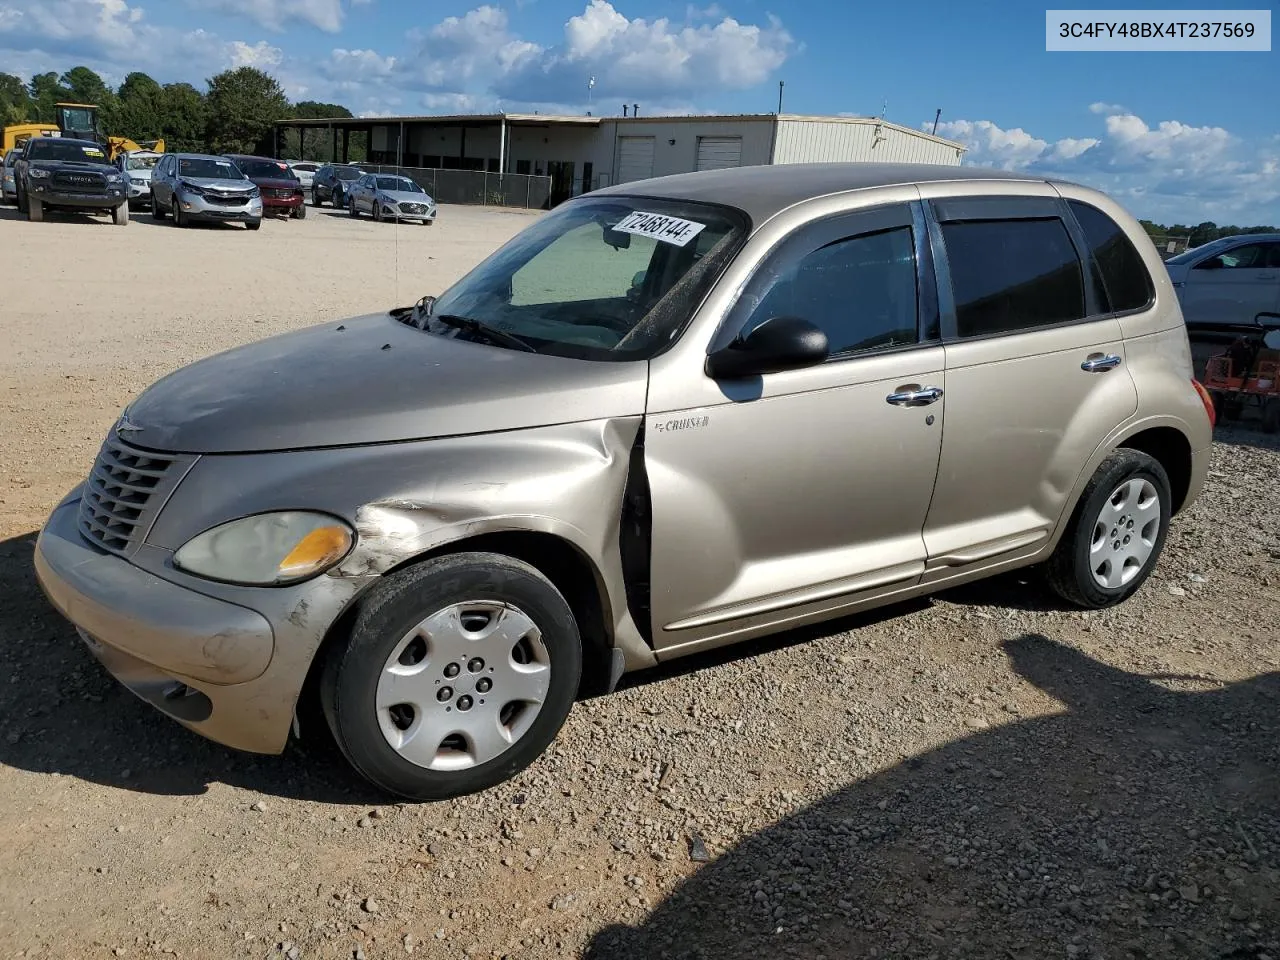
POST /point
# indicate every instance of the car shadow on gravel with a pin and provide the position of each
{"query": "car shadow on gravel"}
(62, 713)
(1141, 821)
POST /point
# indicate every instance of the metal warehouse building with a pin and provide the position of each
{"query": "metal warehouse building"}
(576, 154)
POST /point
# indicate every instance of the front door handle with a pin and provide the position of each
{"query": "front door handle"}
(1099, 363)
(915, 398)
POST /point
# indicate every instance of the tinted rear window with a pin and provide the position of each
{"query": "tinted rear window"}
(1128, 285)
(1011, 275)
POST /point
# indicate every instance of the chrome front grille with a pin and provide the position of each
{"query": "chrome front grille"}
(124, 492)
(413, 208)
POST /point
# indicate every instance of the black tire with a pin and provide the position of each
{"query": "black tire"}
(178, 219)
(315, 198)
(300, 212)
(120, 215)
(35, 209)
(253, 224)
(377, 211)
(157, 211)
(1068, 570)
(1271, 416)
(351, 209)
(402, 600)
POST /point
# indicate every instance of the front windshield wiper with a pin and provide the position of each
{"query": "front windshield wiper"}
(483, 329)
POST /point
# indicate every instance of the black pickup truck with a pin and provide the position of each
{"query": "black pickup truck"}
(60, 173)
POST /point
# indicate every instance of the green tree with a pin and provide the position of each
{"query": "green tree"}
(15, 102)
(140, 111)
(314, 144)
(183, 117)
(244, 105)
(46, 91)
(1204, 233)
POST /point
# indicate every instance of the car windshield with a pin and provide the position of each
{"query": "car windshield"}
(608, 278)
(264, 169)
(208, 169)
(141, 163)
(347, 173)
(399, 183)
(55, 148)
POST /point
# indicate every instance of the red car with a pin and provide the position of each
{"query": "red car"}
(280, 187)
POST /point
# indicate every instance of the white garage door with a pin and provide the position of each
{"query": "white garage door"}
(635, 158)
(716, 153)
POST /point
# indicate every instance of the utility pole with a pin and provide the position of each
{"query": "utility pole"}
(935, 121)
(781, 84)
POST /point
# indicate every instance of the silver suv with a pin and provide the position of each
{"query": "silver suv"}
(668, 415)
(192, 186)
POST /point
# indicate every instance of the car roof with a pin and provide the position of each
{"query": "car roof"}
(761, 191)
(199, 156)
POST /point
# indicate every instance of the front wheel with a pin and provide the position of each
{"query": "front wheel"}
(120, 215)
(253, 224)
(458, 673)
(300, 212)
(35, 209)
(1116, 532)
(351, 209)
(315, 197)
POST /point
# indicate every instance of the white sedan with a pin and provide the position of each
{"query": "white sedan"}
(388, 197)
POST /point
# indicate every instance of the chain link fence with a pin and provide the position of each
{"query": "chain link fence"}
(476, 187)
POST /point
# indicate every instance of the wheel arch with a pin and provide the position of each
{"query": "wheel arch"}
(568, 568)
(1171, 448)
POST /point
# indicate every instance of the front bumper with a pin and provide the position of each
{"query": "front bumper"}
(62, 198)
(139, 190)
(200, 660)
(398, 212)
(282, 203)
(196, 207)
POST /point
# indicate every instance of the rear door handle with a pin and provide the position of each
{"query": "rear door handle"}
(915, 398)
(1100, 363)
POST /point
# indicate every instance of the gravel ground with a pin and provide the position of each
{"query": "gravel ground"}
(982, 775)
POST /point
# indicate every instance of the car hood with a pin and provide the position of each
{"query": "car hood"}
(404, 196)
(371, 380)
(218, 183)
(276, 183)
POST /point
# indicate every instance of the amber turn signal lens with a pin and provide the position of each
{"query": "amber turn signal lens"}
(317, 550)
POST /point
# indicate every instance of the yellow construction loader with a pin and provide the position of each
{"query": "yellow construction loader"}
(79, 120)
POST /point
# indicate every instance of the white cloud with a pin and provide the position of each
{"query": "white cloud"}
(1107, 108)
(1169, 172)
(105, 27)
(261, 54)
(325, 15)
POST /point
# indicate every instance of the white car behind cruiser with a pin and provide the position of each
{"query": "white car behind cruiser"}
(136, 165)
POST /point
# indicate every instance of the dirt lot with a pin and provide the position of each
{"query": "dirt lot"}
(983, 775)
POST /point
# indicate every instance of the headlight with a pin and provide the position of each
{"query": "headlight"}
(269, 549)
(38, 174)
(191, 188)
(113, 178)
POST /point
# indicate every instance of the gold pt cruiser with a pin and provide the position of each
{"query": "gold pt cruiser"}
(668, 415)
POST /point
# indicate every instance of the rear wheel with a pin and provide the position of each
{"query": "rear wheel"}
(1271, 416)
(35, 209)
(1116, 532)
(457, 674)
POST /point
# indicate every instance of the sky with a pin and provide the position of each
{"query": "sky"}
(1175, 137)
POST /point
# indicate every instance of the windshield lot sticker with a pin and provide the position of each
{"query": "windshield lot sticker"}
(671, 230)
(91, 151)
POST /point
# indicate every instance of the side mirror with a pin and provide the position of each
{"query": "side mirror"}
(780, 343)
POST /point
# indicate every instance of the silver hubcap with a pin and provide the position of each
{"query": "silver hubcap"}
(1125, 533)
(463, 685)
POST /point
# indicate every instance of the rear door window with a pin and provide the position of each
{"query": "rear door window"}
(1009, 275)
